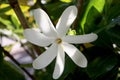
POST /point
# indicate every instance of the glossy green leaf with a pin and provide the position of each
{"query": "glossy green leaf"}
(107, 6)
(102, 64)
(111, 10)
(9, 72)
(109, 34)
(113, 23)
(93, 19)
(15, 22)
(98, 4)
(113, 31)
(5, 22)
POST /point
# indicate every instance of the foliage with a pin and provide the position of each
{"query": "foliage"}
(99, 16)
(10, 72)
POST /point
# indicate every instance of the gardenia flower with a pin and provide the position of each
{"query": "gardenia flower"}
(59, 42)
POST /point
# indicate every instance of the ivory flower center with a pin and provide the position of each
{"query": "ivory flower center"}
(58, 40)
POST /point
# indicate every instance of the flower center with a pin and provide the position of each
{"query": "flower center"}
(58, 40)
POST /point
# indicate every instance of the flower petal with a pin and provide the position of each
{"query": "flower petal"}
(44, 22)
(59, 66)
(66, 19)
(80, 38)
(77, 57)
(37, 38)
(46, 58)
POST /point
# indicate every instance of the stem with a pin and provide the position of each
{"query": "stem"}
(16, 62)
(14, 4)
(79, 6)
(27, 51)
(76, 23)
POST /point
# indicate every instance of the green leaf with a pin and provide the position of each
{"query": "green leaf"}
(102, 64)
(107, 6)
(93, 19)
(56, 9)
(3, 10)
(43, 75)
(67, 1)
(5, 22)
(1, 55)
(10, 72)
(113, 31)
(98, 4)
(29, 65)
(107, 36)
(111, 10)
(110, 34)
(115, 21)
(15, 22)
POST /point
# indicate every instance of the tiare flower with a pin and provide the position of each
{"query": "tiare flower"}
(59, 42)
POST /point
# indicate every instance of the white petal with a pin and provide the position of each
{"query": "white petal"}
(80, 38)
(66, 19)
(59, 66)
(77, 57)
(46, 58)
(44, 22)
(37, 38)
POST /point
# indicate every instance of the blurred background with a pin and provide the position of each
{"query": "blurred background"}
(99, 16)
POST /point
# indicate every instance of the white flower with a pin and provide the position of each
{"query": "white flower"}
(59, 41)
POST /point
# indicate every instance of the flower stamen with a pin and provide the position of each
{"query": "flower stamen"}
(58, 40)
